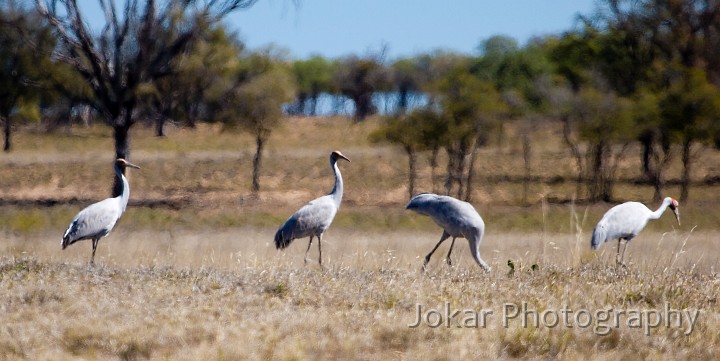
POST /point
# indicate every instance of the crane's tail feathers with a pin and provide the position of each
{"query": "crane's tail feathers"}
(598, 238)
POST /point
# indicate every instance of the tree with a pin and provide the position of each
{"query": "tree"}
(134, 47)
(654, 138)
(254, 102)
(690, 113)
(200, 74)
(472, 108)
(415, 132)
(519, 75)
(603, 121)
(25, 47)
(407, 79)
(313, 76)
(359, 79)
(657, 40)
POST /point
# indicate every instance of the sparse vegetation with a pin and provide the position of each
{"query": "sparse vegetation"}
(191, 272)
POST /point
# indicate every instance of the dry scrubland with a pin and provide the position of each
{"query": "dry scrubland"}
(190, 272)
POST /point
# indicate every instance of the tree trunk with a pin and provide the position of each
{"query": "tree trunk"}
(85, 116)
(257, 160)
(363, 106)
(595, 175)
(646, 141)
(403, 99)
(314, 95)
(433, 168)
(575, 151)
(412, 170)
(526, 159)
(450, 178)
(8, 131)
(471, 172)
(459, 172)
(121, 135)
(687, 162)
(160, 126)
(300, 104)
(661, 159)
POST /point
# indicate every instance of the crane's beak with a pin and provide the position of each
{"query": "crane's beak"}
(677, 214)
(128, 164)
(340, 155)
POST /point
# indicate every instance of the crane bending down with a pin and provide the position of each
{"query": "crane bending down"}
(457, 218)
(97, 220)
(314, 218)
(625, 221)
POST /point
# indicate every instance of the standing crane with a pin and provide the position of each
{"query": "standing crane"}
(625, 221)
(97, 220)
(314, 218)
(457, 219)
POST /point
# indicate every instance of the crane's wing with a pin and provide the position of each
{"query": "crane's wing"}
(97, 219)
(453, 215)
(624, 220)
(312, 219)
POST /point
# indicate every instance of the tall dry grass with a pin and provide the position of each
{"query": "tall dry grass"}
(229, 294)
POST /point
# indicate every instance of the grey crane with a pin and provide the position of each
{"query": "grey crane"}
(625, 221)
(457, 219)
(314, 218)
(98, 219)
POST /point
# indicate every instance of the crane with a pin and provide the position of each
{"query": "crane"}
(97, 220)
(457, 219)
(314, 218)
(625, 221)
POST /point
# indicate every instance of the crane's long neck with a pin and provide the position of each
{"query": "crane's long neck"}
(337, 192)
(125, 193)
(659, 212)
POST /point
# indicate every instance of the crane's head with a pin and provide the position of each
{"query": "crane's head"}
(335, 155)
(674, 206)
(122, 163)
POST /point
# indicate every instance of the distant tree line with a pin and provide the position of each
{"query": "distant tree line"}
(637, 72)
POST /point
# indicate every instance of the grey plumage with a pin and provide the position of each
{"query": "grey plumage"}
(314, 218)
(98, 219)
(625, 221)
(457, 219)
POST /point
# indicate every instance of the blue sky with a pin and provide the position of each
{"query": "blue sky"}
(335, 28)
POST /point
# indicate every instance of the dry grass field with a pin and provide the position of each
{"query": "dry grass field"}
(190, 271)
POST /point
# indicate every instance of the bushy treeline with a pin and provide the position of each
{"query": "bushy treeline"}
(635, 72)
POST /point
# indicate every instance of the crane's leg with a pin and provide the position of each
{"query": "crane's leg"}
(444, 236)
(475, 250)
(622, 258)
(308, 249)
(619, 258)
(320, 250)
(449, 262)
(94, 245)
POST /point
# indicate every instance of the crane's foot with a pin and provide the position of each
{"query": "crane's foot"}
(449, 262)
(425, 263)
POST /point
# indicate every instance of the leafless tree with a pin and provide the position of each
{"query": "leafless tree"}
(136, 45)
